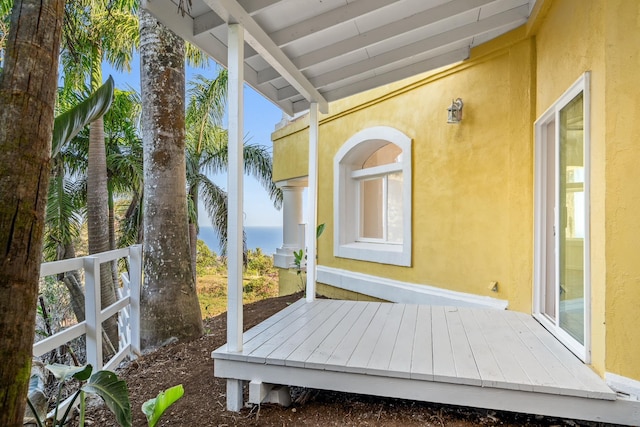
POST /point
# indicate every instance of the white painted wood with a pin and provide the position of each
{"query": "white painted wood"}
(619, 411)
(422, 353)
(310, 329)
(400, 363)
(113, 363)
(444, 368)
(231, 10)
(342, 353)
(485, 361)
(209, 21)
(364, 350)
(54, 341)
(463, 358)
(318, 358)
(92, 311)
(55, 267)
(327, 20)
(135, 264)
(383, 350)
(235, 395)
(403, 292)
(310, 345)
(625, 385)
(114, 308)
(235, 190)
(312, 203)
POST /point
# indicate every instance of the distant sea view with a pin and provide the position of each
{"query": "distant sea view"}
(266, 238)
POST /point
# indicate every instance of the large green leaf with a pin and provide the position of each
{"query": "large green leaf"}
(68, 124)
(114, 392)
(64, 372)
(154, 408)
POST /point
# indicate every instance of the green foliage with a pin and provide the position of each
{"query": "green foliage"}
(205, 258)
(259, 263)
(154, 408)
(68, 124)
(105, 384)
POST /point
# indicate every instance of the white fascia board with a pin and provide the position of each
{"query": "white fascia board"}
(403, 292)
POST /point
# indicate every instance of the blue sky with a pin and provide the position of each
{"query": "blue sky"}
(260, 119)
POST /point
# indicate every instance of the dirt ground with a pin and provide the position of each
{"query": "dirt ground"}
(203, 404)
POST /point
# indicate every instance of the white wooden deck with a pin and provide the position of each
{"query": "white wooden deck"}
(473, 357)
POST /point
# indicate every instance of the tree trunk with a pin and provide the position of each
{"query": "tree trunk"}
(72, 281)
(27, 97)
(98, 221)
(169, 303)
(193, 232)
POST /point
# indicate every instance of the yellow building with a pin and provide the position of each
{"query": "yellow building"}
(530, 202)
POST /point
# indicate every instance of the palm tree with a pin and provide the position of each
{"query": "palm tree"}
(27, 85)
(207, 154)
(169, 303)
(99, 30)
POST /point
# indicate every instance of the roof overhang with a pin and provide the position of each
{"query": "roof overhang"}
(302, 51)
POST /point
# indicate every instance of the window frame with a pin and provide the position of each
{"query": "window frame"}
(347, 178)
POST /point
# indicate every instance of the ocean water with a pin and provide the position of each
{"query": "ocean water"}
(268, 239)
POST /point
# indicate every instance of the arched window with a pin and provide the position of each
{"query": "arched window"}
(372, 197)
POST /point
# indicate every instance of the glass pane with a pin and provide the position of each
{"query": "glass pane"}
(387, 154)
(550, 285)
(394, 207)
(572, 219)
(371, 209)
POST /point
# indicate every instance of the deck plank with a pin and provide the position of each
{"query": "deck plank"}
(364, 349)
(514, 375)
(345, 348)
(422, 354)
(593, 384)
(258, 351)
(488, 368)
(383, 349)
(400, 363)
(323, 352)
(299, 356)
(444, 368)
(310, 329)
(464, 362)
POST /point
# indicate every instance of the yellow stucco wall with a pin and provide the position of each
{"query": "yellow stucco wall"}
(473, 183)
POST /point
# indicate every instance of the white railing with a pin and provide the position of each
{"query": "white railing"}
(127, 305)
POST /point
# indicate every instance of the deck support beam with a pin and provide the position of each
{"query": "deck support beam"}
(312, 202)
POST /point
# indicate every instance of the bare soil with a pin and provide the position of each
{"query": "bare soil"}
(203, 404)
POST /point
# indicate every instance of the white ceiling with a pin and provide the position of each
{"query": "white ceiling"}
(323, 50)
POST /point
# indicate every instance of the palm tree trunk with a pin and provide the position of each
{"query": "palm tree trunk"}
(98, 220)
(193, 232)
(27, 96)
(72, 280)
(169, 303)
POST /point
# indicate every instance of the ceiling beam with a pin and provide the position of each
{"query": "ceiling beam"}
(377, 35)
(210, 20)
(327, 20)
(438, 41)
(232, 12)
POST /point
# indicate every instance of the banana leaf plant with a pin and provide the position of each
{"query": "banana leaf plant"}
(105, 384)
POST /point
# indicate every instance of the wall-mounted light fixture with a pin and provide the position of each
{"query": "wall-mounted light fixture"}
(455, 111)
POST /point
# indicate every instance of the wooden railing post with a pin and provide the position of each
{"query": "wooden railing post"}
(135, 286)
(92, 310)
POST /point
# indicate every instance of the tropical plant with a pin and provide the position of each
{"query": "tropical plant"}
(27, 99)
(207, 155)
(300, 256)
(105, 384)
(154, 408)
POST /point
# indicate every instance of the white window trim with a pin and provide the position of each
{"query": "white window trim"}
(582, 85)
(345, 224)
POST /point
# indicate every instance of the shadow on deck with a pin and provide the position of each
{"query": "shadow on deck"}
(484, 358)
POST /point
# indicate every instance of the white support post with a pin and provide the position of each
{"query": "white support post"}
(92, 312)
(135, 286)
(235, 395)
(235, 188)
(312, 202)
